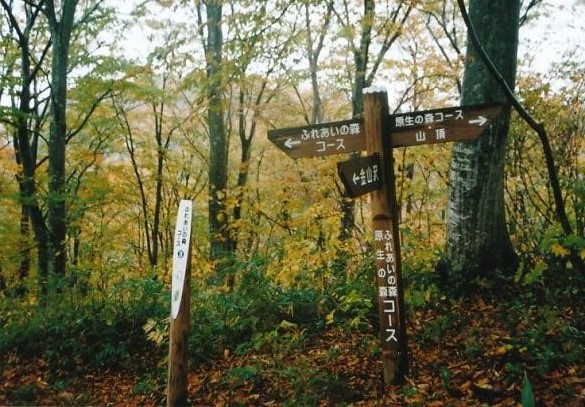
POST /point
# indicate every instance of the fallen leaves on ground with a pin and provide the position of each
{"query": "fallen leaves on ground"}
(461, 354)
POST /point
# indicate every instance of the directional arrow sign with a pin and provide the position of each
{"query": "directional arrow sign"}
(360, 175)
(406, 129)
(320, 139)
(441, 125)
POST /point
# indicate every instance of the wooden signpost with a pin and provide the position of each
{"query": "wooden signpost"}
(377, 134)
(180, 303)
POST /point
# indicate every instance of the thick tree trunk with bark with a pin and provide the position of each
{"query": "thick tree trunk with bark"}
(478, 243)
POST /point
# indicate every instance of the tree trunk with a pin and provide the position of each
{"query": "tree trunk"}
(218, 145)
(360, 58)
(60, 25)
(478, 243)
(25, 143)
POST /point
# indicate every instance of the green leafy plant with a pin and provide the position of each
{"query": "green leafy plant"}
(527, 396)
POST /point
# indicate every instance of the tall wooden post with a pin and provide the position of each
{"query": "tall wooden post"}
(386, 241)
(180, 305)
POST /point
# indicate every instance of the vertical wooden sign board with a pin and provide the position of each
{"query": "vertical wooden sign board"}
(386, 242)
(180, 304)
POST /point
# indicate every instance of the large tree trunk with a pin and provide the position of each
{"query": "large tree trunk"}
(478, 243)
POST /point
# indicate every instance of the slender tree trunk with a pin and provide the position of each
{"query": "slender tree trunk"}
(60, 26)
(25, 250)
(478, 243)
(245, 155)
(218, 146)
(32, 215)
(160, 163)
(2, 280)
(25, 153)
(360, 58)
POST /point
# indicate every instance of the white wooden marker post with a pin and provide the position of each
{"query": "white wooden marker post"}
(180, 303)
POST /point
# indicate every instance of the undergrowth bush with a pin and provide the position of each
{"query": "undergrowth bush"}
(229, 319)
(93, 331)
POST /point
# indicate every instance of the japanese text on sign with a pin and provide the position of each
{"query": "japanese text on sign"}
(180, 254)
(330, 132)
(328, 138)
(430, 118)
(360, 175)
(366, 175)
(387, 283)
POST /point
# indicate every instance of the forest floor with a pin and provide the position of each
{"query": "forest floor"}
(470, 352)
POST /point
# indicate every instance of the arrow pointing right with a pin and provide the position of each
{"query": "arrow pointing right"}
(480, 121)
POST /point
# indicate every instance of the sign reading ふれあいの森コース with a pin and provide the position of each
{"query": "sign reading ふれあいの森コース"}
(320, 139)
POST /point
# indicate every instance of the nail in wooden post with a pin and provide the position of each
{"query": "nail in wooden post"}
(180, 306)
(386, 241)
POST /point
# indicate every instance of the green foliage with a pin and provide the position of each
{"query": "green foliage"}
(527, 395)
(310, 384)
(550, 342)
(253, 310)
(352, 308)
(144, 387)
(239, 376)
(92, 332)
(557, 246)
(544, 249)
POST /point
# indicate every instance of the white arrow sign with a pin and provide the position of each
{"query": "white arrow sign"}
(180, 254)
(480, 121)
(290, 143)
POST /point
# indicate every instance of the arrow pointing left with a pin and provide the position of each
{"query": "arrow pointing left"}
(290, 143)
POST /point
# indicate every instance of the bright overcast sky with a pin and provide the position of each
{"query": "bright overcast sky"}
(560, 31)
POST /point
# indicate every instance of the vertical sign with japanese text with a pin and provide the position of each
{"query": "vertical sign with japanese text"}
(388, 290)
(180, 254)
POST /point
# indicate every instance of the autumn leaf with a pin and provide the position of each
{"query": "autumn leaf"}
(558, 250)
